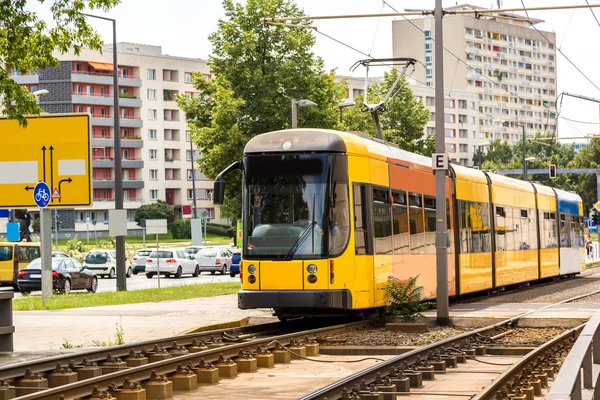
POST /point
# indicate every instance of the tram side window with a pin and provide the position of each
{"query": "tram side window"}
(400, 221)
(501, 229)
(430, 222)
(340, 219)
(417, 239)
(565, 231)
(549, 237)
(361, 237)
(6, 253)
(576, 232)
(474, 227)
(526, 224)
(382, 222)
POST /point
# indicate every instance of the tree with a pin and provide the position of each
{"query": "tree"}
(158, 210)
(27, 44)
(402, 118)
(257, 69)
(585, 184)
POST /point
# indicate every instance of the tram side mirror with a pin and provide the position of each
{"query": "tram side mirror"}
(219, 192)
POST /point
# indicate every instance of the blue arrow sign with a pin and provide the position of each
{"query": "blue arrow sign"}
(41, 194)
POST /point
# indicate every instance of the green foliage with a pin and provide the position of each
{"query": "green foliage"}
(28, 43)
(36, 225)
(158, 210)
(217, 229)
(119, 338)
(68, 345)
(402, 120)
(181, 229)
(404, 299)
(547, 150)
(257, 69)
(585, 184)
(76, 300)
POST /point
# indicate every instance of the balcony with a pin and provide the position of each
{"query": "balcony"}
(92, 99)
(103, 142)
(124, 122)
(172, 163)
(104, 184)
(127, 100)
(103, 162)
(132, 163)
(172, 144)
(103, 78)
(173, 183)
(26, 79)
(132, 142)
(133, 183)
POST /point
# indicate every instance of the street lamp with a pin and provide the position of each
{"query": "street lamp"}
(120, 240)
(344, 104)
(295, 105)
(524, 145)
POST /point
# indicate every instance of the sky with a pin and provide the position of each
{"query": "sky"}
(182, 27)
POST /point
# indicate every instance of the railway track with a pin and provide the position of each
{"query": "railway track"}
(167, 364)
(411, 372)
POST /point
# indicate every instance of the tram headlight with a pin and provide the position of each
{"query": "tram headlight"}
(252, 269)
(312, 269)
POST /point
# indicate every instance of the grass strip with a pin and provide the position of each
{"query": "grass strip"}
(77, 300)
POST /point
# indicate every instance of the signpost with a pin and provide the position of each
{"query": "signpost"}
(50, 166)
(156, 226)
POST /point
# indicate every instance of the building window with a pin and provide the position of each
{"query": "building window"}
(152, 134)
(427, 34)
(428, 60)
(450, 132)
(153, 154)
(428, 46)
(188, 77)
(152, 74)
(451, 148)
(199, 175)
(463, 148)
(206, 212)
(153, 194)
(448, 103)
(449, 118)
(201, 194)
(154, 174)
(151, 94)
(152, 114)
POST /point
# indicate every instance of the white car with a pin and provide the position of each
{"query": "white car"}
(104, 263)
(214, 259)
(138, 262)
(176, 262)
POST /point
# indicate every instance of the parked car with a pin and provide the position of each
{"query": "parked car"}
(193, 250)
(138, 262)
(59, 254)
(236, 259)
(104, 263)
(67, 274)
(169, 262)
(214, 259)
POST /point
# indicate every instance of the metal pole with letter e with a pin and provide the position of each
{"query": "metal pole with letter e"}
(441, 244)
(41, 197)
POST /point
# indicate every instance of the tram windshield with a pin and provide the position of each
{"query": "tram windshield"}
(285, 206)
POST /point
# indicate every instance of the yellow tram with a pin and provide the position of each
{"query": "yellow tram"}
(328, 216)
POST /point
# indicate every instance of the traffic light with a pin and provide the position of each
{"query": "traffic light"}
(596, 218)
(552, 171)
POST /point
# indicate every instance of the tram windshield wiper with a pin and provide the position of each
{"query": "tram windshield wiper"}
(309, 229)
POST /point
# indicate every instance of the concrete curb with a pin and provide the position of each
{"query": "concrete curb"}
(236, 323)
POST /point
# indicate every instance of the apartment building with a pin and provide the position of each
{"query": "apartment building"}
(461, 116)
(156, 151)
(503, 60)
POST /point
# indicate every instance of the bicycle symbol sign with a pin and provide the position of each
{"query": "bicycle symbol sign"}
(41, 194)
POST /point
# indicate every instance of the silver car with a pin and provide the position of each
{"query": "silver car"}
(214, 259)
(171, 262)
(138, 262)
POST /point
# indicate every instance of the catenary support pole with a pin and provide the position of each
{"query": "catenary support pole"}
(194, 210)
(524, 155)
(46, 244)
(120, 240)
(441, 252)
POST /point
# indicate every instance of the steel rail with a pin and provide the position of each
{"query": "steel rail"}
(84, 388)
(489, 392)
(44, 365)
(335, 390)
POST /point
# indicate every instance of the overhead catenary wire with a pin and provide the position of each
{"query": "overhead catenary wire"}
(476, 12)
(559, 50)
(593, 13)
(568, 26)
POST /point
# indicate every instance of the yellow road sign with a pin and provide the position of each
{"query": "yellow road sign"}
(53, 148)
(597, 206)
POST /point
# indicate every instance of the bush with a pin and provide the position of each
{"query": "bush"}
(181, 229)
(404, 299)
(217, 229)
